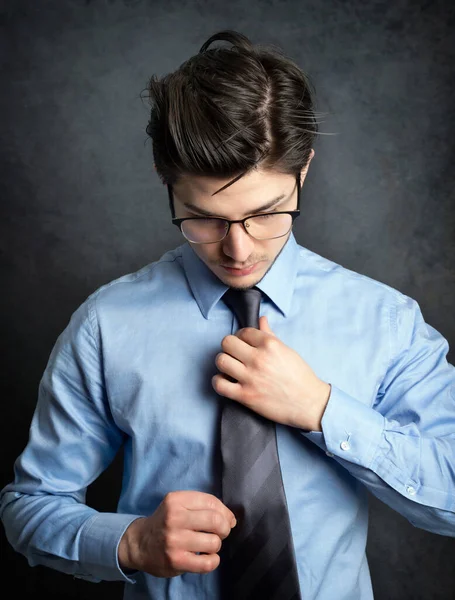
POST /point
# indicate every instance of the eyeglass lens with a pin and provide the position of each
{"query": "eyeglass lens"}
(262, 227)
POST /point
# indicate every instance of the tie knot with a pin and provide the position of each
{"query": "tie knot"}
(245, 305)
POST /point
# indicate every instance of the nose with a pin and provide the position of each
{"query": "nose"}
(238, 244)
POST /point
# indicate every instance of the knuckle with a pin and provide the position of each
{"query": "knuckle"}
(169, 498)
(212, 501)
(257, 362)
(168, 556)
(215, 544)
(174, 559)
(220, 525)
(172, 540)
(248, 396)
(225, 341)
(170, 520)
(270, 343)
(217, 521)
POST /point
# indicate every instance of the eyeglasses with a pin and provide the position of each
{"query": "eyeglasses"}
(209, 230)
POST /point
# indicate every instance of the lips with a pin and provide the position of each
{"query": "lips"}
(240, 272)
(238, 268)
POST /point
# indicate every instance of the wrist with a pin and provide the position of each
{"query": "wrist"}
(128, 548)
(321, 404)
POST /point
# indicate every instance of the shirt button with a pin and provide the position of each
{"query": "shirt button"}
(411, 491)
(329, 453)
(345, 445)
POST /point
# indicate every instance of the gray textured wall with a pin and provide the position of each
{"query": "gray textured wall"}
(81, 204)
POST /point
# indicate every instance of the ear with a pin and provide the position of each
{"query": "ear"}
(305, 168)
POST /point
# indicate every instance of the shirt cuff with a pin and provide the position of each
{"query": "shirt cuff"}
(99, 543)
(350, 430)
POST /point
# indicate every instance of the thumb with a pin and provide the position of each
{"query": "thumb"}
(264, 325)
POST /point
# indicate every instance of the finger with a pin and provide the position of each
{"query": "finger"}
(251, 337)
(197, 563)
(230, 389)
(210, 521)
(264, 325)
(239, 346)
(197, 541)
(230, 365)
(194, 500)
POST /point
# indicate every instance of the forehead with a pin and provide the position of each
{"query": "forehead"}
(245, 195)
(208, 186)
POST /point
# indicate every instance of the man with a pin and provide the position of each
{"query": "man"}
(343, 370)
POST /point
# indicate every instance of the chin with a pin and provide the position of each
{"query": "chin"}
(241, 282)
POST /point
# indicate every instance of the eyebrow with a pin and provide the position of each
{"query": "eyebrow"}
(262, 208)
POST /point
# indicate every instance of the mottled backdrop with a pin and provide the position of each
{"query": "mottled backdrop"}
(81, 204)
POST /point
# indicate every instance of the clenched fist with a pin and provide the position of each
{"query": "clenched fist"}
(167, 543)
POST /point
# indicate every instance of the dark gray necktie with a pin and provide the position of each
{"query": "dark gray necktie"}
(259, 550)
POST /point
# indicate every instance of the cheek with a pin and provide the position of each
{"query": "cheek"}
(207, 253)
(273, 248)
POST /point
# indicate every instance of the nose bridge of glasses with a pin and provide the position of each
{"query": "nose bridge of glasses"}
(242, 223)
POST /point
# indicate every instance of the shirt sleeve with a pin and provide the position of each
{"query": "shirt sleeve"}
(403, 447)
(72, 439)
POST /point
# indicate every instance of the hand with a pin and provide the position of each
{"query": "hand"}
(166, 543)
(272, 379)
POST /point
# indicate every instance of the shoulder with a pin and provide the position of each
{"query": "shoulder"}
(155, 277)
(149, 285)
(337, 280)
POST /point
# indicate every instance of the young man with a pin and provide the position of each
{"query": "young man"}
(250, 438)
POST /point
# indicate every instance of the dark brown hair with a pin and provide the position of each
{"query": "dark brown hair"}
(226, 111)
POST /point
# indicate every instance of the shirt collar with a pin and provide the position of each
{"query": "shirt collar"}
(278, 283)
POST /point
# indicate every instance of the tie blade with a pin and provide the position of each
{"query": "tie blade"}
(270, 575)
(254, 489)
(245, 436)
(259, 550)
(262, 529)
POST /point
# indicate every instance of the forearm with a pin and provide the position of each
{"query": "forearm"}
(73, 438)
(64, 534)
(411, 473)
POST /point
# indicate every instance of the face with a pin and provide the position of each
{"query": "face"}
(231, 258)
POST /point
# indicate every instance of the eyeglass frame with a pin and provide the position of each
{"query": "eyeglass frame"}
(178, 221)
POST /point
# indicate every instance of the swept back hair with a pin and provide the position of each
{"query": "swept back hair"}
(226, 111)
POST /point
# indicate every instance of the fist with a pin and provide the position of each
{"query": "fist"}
(183, 535)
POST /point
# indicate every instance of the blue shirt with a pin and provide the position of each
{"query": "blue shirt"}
(134, 366)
